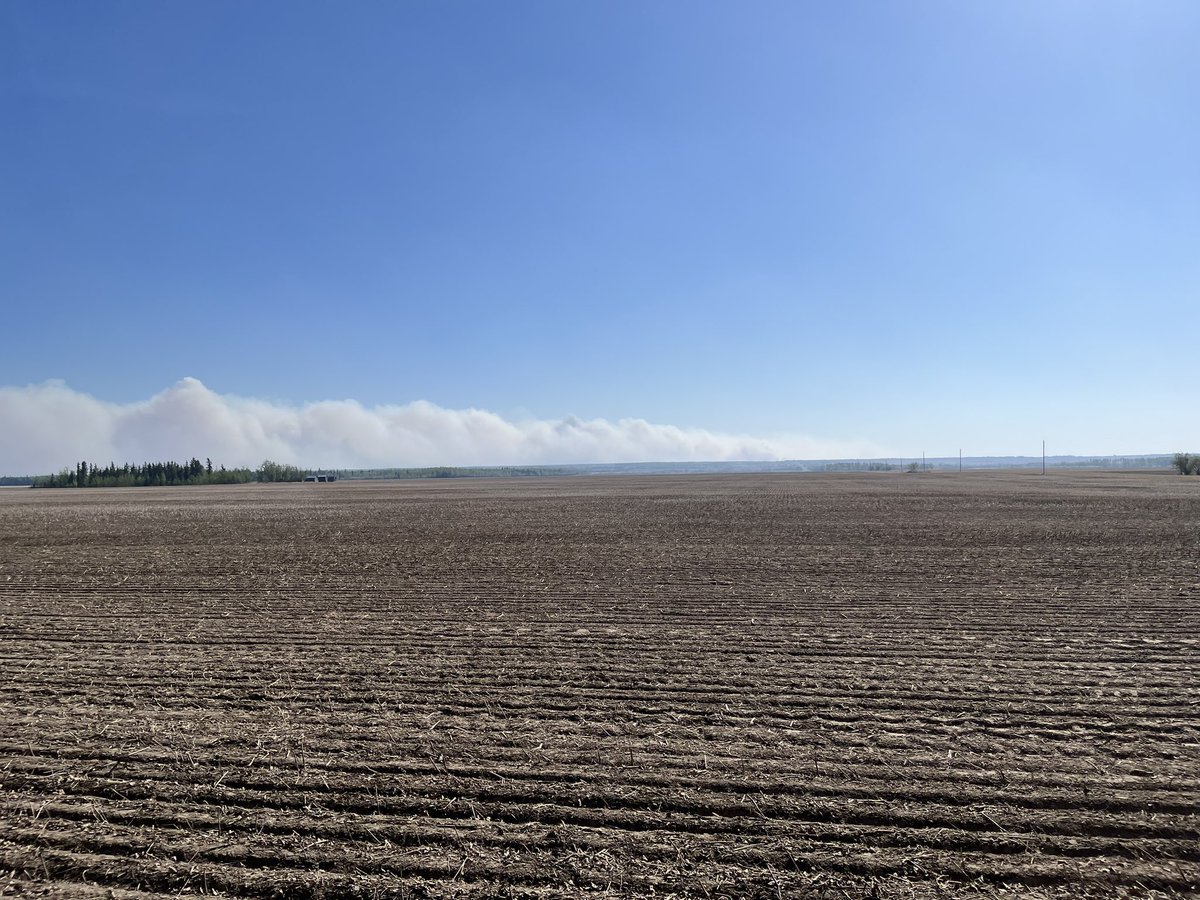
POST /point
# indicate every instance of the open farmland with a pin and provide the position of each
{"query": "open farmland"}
(847, 686)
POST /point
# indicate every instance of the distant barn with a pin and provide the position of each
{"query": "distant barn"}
(320, 478)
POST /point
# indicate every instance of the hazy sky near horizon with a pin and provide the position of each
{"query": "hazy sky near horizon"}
(762, 229)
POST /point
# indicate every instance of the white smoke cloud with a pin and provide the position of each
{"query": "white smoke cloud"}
(47, 426)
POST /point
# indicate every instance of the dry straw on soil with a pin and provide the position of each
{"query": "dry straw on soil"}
(771, 686)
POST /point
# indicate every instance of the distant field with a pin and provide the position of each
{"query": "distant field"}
(769, 686)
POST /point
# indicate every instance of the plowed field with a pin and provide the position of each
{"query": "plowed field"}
(770, 686)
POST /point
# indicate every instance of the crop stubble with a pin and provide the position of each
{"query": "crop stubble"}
(871, 685)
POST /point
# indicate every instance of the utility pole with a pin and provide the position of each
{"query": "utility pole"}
(960, 460)
(923, 466)
(1043, 457)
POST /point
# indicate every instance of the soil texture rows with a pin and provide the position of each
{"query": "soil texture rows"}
(883, 685)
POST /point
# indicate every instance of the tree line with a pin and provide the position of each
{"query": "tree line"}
(165, 474)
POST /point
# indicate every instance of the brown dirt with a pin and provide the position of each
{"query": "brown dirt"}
(882, 685)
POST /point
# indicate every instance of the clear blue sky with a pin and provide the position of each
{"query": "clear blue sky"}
(927, 225)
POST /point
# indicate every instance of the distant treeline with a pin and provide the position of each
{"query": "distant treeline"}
(164, 474)
(195, 472)
(453, 472)
(951, 463)
(1118, 462)
(866, 466)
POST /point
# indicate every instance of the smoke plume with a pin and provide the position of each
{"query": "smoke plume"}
(48, 426)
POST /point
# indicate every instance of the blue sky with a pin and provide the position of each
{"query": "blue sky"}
(924, 225)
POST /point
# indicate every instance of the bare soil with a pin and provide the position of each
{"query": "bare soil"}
(885, 685)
